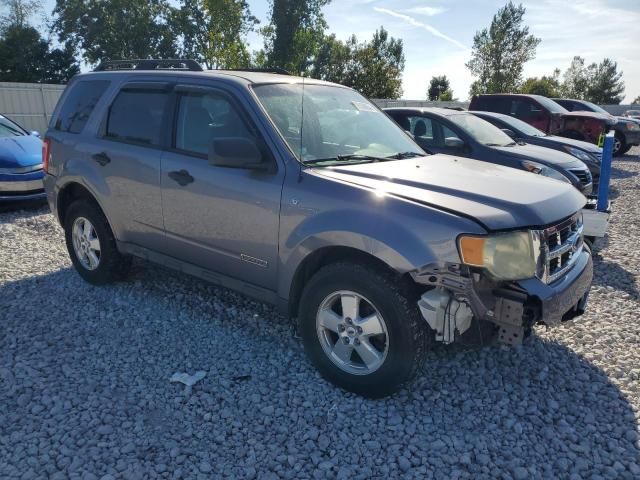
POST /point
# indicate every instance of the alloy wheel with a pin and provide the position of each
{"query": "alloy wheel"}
(86, 244)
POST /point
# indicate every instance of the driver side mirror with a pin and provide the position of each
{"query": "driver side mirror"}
(453, 142)
(237, 152)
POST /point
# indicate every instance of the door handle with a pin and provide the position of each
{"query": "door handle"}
(181, 176)
(102, 158)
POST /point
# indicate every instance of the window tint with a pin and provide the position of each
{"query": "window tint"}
(205, 117)
(422, 129)
(525, 109)
(79, 104)
(136, 116)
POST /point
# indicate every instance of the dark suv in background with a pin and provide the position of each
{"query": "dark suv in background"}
(627, 129)
(331, 212)
(546, 115)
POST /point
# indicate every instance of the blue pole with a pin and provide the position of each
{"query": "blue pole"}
(605, 172)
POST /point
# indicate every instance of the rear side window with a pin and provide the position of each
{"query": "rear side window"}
(79, 104)
(136, 116)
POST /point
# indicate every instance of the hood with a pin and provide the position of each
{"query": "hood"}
(20, 151)
(581, 144)
(627, 120)
(610, 120)
(497, 197)
(540, 154)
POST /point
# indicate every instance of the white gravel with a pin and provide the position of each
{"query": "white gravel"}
(85, 391)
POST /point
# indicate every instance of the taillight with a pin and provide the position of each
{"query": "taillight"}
(46, 144)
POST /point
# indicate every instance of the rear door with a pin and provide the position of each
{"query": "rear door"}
(220, 218)
(128, 154)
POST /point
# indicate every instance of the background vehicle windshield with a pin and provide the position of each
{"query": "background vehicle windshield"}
(10, 129)
(337, 122)
(550, 105)
(481, 130)
(521, 126)
(594, 108)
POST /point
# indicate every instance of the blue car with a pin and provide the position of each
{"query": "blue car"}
(20, 163)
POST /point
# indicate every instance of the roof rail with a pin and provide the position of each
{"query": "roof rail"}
(279, 70)
(150, 64)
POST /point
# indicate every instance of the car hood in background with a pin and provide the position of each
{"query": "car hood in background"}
(609, 119)
(497, 197)
(544, 155)
(20, 151)
(581, 144)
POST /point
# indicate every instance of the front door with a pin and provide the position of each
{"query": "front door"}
(219, 218)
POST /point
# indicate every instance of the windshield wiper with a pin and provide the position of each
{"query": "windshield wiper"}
(500, 144)
(347, 158)
(402, 155)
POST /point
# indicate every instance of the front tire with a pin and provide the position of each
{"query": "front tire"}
(92, 246)
(361, 330)
(619, 145)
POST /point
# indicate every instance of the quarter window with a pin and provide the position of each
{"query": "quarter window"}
(136, 116)
(204, 117)
(79, 104)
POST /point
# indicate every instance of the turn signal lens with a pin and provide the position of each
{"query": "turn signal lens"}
(472, 250)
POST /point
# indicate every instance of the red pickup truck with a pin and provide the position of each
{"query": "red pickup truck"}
(546, 115)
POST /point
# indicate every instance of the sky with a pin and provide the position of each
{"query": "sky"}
(438, 34)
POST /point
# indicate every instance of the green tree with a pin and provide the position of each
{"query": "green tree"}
(294, 34)
(575, 80)
(500, 52)
(24, 55)
(437, 87)
(605, 83)
(547, 86)
(446, 96)
(636, 101)
(116, 29)
(374, 68)
(214, 31)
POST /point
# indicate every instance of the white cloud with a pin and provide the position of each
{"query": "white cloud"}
(428, 11)
(417, 23)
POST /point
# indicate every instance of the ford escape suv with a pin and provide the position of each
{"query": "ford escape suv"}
(304, 194)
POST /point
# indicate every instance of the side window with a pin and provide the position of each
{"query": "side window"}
(448, 133)
(525, 109)
(136, 116)
(422, 129)
(79, 104)
(204, 117)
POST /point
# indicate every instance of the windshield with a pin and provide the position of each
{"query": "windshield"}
(520, 126)
(592, 106)
(633, 112)
(10, 129)
(550, 105)
(481, 130)
(333, 123)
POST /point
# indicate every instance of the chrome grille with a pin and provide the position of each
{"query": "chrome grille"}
(560, 247)
(583, 175)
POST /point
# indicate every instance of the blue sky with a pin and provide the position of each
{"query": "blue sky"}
(438, 34)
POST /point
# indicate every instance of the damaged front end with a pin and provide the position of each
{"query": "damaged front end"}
(460, 294)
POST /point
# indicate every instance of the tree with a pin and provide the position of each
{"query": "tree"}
(500, 52)
(373, 68)
(214, 31)
(548, 86)
(116, 29)
(437, 87)
(575, 80)
(27, 57)
(598, 83)
(605, 83)
(19, 12)
(636, 101)
(294, 34)
(446, 96)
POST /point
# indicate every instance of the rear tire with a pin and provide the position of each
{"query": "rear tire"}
(92, 246)
(388, 329)
(619, 145)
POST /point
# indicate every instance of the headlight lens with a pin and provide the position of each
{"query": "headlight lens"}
(507, 256)
(633, 126)
(540, 169)
(581, 154)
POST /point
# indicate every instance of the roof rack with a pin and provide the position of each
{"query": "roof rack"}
(279, 70)
(150, 64)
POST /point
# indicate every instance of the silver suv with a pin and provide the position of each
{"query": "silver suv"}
(304, 194)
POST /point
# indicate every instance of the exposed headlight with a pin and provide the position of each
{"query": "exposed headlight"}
(507, 256)
(540, 169)
(581, 154)
(633, 126)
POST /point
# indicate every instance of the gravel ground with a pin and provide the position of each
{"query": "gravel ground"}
(85, 391)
